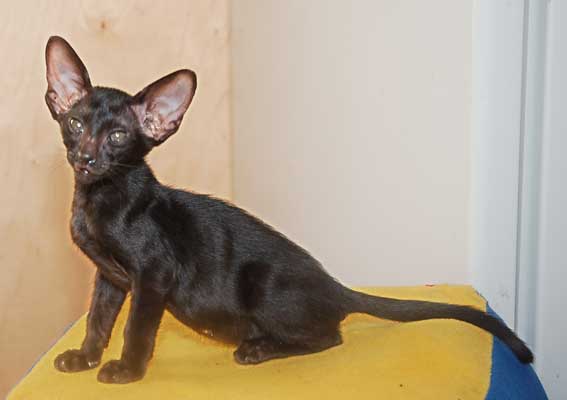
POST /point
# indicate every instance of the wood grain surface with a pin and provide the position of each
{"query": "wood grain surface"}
(45, 281)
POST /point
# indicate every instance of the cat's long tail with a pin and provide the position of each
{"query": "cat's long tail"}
(416, 310)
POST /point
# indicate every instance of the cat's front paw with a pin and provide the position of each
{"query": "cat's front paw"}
(75, 361)
(117, 371)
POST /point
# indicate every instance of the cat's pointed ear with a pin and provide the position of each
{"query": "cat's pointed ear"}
(160, 106)
(67, 78)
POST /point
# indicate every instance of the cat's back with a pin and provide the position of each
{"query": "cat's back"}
(228, 225)
(217, 213)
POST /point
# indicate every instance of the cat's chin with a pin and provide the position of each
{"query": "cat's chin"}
(86, 178)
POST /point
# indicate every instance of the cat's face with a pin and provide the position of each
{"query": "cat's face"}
(102, 134)
(106, 130)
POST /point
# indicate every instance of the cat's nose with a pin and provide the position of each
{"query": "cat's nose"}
(85, 158)
(85, 163)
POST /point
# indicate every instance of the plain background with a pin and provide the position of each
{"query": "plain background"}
(352, 132)
(386, 136)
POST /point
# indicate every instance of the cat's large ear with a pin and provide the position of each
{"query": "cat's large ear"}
(161, 105)
(67, 78)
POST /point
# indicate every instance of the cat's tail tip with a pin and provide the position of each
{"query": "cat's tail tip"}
(519, 348)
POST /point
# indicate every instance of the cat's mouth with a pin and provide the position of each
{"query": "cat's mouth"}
(83, 171)
(86, 172)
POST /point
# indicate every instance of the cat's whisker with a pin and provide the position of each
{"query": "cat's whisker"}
(117, 164)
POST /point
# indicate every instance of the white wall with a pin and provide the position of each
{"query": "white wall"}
(551, 331)
(352, 132)
(497, 71)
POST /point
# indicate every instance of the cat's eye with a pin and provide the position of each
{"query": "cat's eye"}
(76, 126)
(117, 137)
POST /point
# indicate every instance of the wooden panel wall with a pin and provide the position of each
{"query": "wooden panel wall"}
(45, 281)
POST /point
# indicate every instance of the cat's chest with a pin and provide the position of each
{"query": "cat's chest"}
(94, 222)
(92, 238)
(104, 234)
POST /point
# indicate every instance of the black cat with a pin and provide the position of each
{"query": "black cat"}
(213, 266)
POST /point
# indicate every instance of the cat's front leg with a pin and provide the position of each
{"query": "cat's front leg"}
(146, 310)
(106, 302)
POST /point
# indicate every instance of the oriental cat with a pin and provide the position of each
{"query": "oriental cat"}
(213, 266)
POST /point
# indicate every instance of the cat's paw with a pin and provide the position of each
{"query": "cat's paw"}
(117, 371)
(255, 351)
(75, 361)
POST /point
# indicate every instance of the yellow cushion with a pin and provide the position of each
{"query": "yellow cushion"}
(436, 359)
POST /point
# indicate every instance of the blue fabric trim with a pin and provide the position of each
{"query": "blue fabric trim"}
(509, 378)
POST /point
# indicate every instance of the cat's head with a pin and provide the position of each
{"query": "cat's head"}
(106, 130)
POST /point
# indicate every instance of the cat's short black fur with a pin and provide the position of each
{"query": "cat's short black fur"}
(216, 268)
